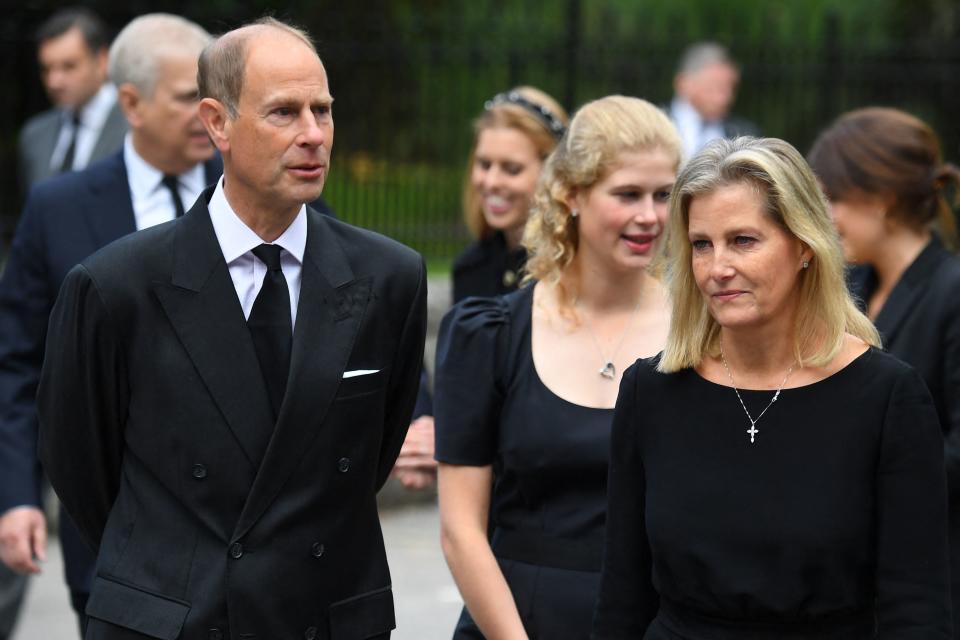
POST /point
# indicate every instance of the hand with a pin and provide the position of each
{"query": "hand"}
(23, 539)
(415, 468)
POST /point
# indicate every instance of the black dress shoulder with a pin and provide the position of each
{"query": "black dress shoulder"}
(831, 525)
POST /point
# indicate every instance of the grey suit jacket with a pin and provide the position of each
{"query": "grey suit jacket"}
(39, 136)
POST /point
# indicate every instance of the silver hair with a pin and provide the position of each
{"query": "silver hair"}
(703, 54)
(136, 52)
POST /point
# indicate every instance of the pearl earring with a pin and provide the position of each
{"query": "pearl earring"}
(806, 264)
(574, 213)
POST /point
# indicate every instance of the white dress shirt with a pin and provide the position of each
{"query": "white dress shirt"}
(93, 116)
(152, 203)
(694, 131)
(237, 241)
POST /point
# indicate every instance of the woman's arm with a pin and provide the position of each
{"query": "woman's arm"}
(464, 504)
(912, 559)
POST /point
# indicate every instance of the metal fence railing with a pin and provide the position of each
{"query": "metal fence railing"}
(407, 87)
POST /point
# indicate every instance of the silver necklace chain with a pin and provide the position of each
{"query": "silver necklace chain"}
(752, 431)
(609, 371)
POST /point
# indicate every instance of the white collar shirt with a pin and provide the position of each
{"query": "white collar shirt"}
(694, 131)
(152, 201)
(237, 241)
(93, 116)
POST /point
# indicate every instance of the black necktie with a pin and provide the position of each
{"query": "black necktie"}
(67, 164)
(271, 327)
(170, 182)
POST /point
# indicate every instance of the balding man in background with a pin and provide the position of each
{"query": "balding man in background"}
(165, 162)
(85, 123)
(223, 395)
(705, 87)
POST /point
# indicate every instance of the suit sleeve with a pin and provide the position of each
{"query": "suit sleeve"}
(912, 559)
(25, 302)
(82, 404)
(404, 378)
(628, 601)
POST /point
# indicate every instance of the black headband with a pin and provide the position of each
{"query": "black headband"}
(547, 117)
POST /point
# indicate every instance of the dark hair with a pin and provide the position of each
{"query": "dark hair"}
(92, 28)
(888, 153)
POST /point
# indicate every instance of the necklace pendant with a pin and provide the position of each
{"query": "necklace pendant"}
(752, 431)
(608, 371)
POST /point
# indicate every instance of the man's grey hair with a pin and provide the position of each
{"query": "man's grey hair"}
(223, 62)
(138, 50)
(704, 54)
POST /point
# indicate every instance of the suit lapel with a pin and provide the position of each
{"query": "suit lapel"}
(911, 285)
(331, 308)
(113, 216)
(202, 305)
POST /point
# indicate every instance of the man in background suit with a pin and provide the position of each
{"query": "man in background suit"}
(154, 66)
(86, 123)
(223, 395)
(704, 91)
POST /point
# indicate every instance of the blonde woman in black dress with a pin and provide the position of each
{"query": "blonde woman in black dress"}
(787, 482)
(526, 383)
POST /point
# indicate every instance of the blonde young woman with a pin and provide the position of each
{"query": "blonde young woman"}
(526, 383)
(513, 136)
(787, 482)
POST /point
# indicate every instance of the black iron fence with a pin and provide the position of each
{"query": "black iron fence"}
(408, 81)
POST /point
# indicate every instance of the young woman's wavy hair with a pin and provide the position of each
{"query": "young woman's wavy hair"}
(510, 115)
(599, 133)
(793, 200)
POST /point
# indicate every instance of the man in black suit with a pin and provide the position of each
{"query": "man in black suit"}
(85, 123)
(705, 87)
(223, 395)
(154, 64)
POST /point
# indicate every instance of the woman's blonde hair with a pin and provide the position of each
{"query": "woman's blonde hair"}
(527, 110)
(793, 200)
(600, 132)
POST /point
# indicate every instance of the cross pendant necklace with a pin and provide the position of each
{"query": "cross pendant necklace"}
(752, 431)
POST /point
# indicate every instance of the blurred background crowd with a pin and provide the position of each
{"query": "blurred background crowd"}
(410, 75)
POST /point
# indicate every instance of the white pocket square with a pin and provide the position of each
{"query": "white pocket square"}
(359, 372)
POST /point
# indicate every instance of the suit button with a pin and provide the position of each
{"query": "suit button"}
(236, 550)
(310, 633)
(199, 471)
(317, 549)
(343, 465)
(214, 634)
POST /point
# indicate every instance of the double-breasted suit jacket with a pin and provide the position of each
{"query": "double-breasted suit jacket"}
(157, 433)
(66, 219)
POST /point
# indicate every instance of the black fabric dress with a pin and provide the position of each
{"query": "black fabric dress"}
(549, 458)
(920, 324)
(832, 525)
(487, 268)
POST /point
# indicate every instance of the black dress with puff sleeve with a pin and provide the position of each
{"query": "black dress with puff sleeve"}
(832, 525)
(549, 459)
